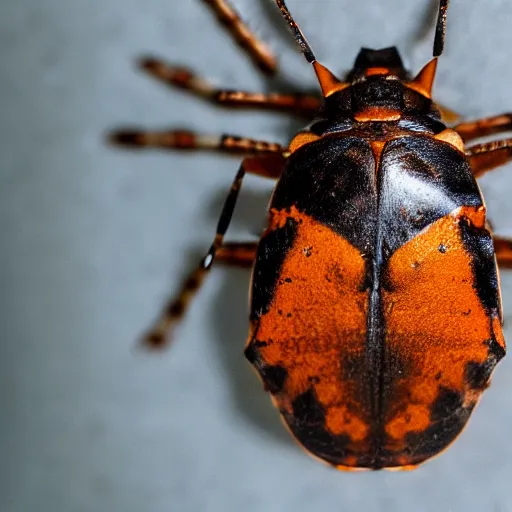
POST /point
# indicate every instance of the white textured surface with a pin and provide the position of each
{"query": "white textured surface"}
(94, 239)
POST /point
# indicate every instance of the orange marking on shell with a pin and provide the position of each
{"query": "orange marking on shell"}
(404, 466)
(437, 322)
(452, 138)
(498, 332)
(377, 114)
(311, 337)
(350, 465)
(339, 420)
(301, 139)
(278, 218)
(351, 461)
(476, 215)
(315, 329)
(471, 397)
(377, 71)
(377, 147)
(414, 418)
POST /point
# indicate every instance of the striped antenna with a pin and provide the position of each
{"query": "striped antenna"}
(297, 32)
(440, 28)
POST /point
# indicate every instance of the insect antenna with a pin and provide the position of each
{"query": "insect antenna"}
(440, 28)
(329, 83)
(424, 80)
(297, 32)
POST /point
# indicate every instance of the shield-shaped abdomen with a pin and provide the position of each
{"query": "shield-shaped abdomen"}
(375, 310)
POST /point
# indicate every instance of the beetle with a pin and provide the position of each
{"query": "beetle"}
(375, 309)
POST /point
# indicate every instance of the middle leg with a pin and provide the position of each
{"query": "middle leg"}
(482, 127)
(240, 254)
(186, 140)
(183, 78)
(489, 155)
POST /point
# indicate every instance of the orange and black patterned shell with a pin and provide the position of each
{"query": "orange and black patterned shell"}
(375, 308)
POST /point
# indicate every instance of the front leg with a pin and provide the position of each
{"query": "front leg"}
(187, 140)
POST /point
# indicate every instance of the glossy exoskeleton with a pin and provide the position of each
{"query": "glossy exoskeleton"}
(375, 314)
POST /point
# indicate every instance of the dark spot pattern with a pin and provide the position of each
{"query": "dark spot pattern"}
(478, 244)
(273, 376)
(448, 417)
(272, 251)
(308, 425)
(477, 374)
(495, 349)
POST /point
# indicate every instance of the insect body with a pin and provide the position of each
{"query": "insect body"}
(375, 315)
(375, 304)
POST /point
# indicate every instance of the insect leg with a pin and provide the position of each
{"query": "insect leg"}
(482, 127)
(241, 254)
(487, 156)
(185, 79)
(503, 249)
(238, 254)
(184, 139)
(297, 104)
(256, 49)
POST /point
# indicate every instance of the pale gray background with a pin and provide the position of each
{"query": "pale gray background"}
(94, 239)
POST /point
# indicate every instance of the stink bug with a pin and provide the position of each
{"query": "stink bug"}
(375, 314)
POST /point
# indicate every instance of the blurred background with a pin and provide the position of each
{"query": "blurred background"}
(95, 238)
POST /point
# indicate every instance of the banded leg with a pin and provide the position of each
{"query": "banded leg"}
(186, 140)
(483, 127)
(503, 249)
(240, 254)
(489, 155)
(257, 50)
(183, 78)
(237, 254)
